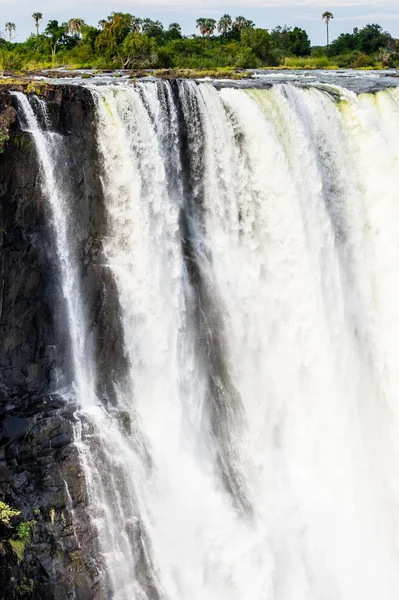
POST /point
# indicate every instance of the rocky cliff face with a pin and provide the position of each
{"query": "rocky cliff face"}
(50, 552)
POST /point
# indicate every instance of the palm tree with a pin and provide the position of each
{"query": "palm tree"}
(37, 17)
(225, 24)
(242, 23)
(75, 26)
(210, 26)
(175, 30)
(327, 16)
(10, 27)
(201, 24)
(206, 26)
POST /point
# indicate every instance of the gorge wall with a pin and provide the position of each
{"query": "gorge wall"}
(40, 474)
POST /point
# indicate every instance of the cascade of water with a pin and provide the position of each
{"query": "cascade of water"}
(46, 143)
(252, 235)
(283, 497)
(104, 487)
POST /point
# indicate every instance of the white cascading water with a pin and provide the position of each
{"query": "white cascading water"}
(47, 144)
(254, 239)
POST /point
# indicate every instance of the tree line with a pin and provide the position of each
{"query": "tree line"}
(125, 41)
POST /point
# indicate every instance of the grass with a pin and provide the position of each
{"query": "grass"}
(309, 62)
(18, 547)
(4, 137)
(22, 538)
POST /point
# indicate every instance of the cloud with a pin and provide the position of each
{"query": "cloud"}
(370, 17)
(126, 5)
(366, 16)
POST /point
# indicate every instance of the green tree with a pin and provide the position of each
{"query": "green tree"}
(56, 34)
(247, 59)
(259, 41)
(206, 26)
(280, 39)
(10, 27)
(139, 51)
(298, 42)
(225, 25)
(153, 29)
(242, 23)
(174, 32)
(211, 26)
(116, 28)
(327, 16)
(344, 43)
(37, 17)
(201, 25)
(89, 36)
(371, 39)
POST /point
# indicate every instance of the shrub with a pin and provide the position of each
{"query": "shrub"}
(6, 512)
(247, 59)
(21, 539)
(139, 51)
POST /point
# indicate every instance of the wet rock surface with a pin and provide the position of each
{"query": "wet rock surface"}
(40, 472)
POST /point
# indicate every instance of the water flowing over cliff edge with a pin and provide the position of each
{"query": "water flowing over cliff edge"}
(222, 284)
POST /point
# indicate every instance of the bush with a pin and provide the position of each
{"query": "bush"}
(22, 538)
(259, 41)
(247, 59)
(6, 512)
(139, 51)
(355, 60)
(10, 60)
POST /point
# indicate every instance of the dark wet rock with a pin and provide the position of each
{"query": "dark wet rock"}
(61, 440)
(15, 427)
(40, 471)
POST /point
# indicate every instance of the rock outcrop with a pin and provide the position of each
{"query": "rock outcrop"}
(50, 552)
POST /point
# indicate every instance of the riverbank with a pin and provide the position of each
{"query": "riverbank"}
(31, 80)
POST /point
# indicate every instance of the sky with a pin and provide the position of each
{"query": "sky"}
(265, 13)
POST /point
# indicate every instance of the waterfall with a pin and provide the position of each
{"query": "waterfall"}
(47, 145)
(253, 236)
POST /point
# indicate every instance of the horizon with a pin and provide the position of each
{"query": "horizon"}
(301, 13)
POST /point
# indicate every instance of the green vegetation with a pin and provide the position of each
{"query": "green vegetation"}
(123, 41)
(21, 538)
(310, 62)
(218, 73)
(6, 512)
(366, 47)
(23, 531)
(18, 547)
(25, 587)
